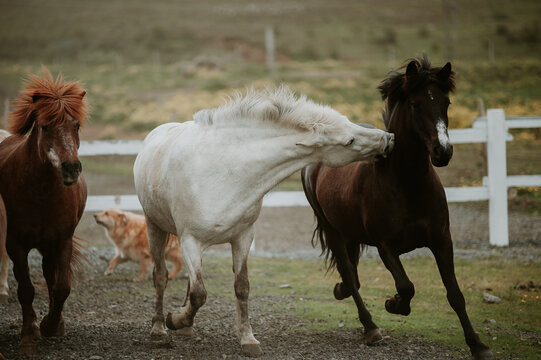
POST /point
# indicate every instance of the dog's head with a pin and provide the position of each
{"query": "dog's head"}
(111, 218)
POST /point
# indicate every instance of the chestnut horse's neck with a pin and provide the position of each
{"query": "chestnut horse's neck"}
(410, 157)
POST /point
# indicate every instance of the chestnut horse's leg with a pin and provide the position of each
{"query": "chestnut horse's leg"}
(4, 270)
(347, 271)
(443, 252)
(157, 241)
(197, 295)
(240, 248)
(25, 292)
(400, 303)
(56, 265)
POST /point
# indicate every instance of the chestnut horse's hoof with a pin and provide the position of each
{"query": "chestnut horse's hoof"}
(27, 348)
(484, 355)
(373, 337)
(338, 292)
(48, 331)
(251, 350)
(395, 305)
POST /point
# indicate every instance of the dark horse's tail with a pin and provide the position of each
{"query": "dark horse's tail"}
(324, 232)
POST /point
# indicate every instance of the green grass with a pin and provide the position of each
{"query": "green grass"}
(515, 332)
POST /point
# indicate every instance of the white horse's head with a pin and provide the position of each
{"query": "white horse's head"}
(339, 142)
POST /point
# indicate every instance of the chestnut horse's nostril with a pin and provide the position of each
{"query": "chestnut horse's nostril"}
(71, 171)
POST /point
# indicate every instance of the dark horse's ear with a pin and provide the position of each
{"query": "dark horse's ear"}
(445, 72)
(411, 70)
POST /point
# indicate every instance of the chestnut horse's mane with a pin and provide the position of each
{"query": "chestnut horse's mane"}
(46, 101)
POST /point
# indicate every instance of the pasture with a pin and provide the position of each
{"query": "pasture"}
(146, 63)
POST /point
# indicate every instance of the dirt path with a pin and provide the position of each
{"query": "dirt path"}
(101, 324)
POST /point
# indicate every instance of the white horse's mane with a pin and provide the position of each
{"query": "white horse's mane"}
(279, 105)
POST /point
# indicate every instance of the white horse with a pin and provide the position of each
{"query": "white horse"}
(205, 179)
(4, 258)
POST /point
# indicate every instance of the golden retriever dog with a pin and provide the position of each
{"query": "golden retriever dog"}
(128, 233)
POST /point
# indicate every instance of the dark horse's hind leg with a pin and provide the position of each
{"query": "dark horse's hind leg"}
(56, 267)
(25, 292)
(340, 290)
(400, 303)
(348, 272)
(443, 253)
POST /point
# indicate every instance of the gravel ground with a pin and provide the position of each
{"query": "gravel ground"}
(102, 326)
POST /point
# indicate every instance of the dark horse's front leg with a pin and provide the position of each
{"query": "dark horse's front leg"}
(443, 252)
(56, 267)
(400, 303)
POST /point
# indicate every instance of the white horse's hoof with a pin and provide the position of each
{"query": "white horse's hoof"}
(251, 350)
(158, 334)
(187, 331)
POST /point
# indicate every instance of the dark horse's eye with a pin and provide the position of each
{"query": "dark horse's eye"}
(413, 104)
(77, 126)
(44, 128)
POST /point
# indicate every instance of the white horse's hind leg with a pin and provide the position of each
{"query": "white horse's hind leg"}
(4, 287)
(157, 241)
(196, 295)
(240, 248)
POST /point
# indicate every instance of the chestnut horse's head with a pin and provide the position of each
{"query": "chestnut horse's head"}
(417, 104)
(52, 111)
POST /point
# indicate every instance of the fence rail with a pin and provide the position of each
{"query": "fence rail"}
(491, 130)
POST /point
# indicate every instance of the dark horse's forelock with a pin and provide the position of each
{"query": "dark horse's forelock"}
(397, 85)
(46, 101)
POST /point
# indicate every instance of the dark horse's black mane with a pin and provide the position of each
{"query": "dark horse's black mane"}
(397, 85)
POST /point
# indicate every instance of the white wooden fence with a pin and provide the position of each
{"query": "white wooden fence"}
(491, 130)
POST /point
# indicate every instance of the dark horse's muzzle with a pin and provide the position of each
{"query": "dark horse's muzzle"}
(441, 155)
(71, 171)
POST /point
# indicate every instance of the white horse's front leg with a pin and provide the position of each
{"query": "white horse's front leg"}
(156, 239)
(196, 295)
(4, 269)
(240, 248)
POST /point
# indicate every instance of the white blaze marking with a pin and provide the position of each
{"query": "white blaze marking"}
(430, 94)
(53, 157)
(443, 137)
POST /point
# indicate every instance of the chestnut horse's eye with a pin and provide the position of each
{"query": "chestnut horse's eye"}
(44, 128)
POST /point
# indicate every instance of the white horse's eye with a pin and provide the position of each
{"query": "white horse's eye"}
(350, 141)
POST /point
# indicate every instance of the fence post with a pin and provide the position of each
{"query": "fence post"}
(497, 177)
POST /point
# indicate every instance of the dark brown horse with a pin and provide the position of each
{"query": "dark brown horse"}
(396, 204)
(44, 195)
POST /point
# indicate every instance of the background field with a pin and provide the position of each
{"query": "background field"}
(149, 62)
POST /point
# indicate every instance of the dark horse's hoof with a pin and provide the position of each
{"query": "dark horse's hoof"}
(484, 355)
(373, 337)
(339, 292)
(48, 331)
(395, 305)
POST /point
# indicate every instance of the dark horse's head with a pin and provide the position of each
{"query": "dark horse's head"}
(52, 112)
(417, 100)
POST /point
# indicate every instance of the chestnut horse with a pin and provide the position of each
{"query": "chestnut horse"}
(396, 204)
(4, 258)
(44, 195)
